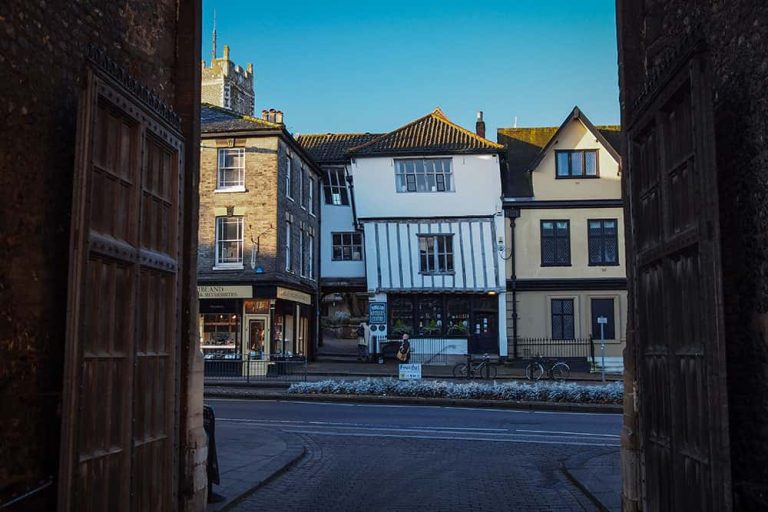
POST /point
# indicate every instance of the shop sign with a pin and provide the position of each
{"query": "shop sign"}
(293, 295)
(225, 292)
(410, 372)
(377, 312)
(256, 306)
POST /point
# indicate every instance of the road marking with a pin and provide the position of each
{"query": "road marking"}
(565, 432)
(453, 438)
(359, 425)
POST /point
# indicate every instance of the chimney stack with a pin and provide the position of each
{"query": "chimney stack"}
(480, 125)
(279, 117)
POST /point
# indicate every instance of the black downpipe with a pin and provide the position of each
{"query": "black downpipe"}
(513, 215)
(352, 201)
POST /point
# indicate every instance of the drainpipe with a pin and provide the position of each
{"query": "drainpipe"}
(352, 201)
(513, 214)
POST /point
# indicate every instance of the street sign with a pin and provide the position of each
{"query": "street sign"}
(602, 319)
(410, 372)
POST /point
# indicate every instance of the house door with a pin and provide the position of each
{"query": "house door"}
(119, 411)
(485, 332)
(257, 337)
(676, 289)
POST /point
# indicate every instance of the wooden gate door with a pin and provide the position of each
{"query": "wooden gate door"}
(119, 442)
(673, 204)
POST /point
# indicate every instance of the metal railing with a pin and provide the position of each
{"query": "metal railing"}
(527, 348)
(427, 351)
(254, 371)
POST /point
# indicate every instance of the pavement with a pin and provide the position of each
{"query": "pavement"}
(249, 460)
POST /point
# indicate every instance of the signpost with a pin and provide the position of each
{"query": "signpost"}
(377, 320)
(410, 372)
(602, 320)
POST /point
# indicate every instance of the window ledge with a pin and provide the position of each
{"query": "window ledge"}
(556, 265)
(227, 267)
(604, 265)
(229, 189)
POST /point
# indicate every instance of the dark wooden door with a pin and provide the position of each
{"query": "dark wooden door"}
(673, 206)
(120, 411)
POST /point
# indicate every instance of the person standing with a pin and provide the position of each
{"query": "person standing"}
(404, 352)
(363, 334)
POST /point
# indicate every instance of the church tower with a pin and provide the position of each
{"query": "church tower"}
(225, 84)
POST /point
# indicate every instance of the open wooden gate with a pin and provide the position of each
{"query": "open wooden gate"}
(673, 204)
(120, 412)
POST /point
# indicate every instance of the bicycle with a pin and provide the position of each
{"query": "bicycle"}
(483, 369)
(556, 370)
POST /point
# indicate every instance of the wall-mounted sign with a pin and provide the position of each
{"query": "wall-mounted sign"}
(256, 306)
(225, 292)
(293, 295)
(377, 313)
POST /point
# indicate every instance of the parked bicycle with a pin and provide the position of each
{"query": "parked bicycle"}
(482, 369)
(556, 370)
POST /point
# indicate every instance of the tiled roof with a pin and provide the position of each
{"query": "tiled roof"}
(331, 148)
(215, 119)
(526, 146)
(431, 134)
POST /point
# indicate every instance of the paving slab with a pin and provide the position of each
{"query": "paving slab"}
(598, 476)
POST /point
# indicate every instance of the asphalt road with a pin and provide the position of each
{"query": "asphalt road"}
(421, 458)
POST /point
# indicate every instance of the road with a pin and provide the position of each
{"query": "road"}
(421, 458)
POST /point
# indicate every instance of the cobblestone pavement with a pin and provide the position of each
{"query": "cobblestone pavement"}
(361, 467)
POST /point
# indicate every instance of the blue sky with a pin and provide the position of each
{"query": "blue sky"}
(357, 66)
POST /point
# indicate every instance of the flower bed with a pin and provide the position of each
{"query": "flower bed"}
(571, 392)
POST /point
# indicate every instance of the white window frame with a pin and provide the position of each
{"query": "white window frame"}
(302, 256)
(435, 257)
(409, 170)
(288, 255)
(221, 155)
(301, 187)
(218, 225)
(289, 177)
(338, 184)
(312, 195)
(311, 262)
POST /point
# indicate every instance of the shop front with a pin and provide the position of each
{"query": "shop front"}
(256, 323)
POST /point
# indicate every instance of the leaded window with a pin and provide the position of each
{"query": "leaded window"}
(562, 319)
(555, 243)
(336, 192)
(576, 163)
(347, 246)
(229, 241)
(423, 175)
(435, 254)
(231, 169)
(603, 242)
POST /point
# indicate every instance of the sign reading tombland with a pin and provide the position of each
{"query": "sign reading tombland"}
(224, 292)
(293, 295)
(410, 372)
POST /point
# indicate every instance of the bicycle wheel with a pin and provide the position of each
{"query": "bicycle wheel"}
(560, 371)
(460, 371)
(534, 371)
(489, 372)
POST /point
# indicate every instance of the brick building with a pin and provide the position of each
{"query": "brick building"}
(78, 428)
(694, 107)
(258, 253)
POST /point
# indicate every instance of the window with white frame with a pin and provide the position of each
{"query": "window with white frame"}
(435, 254)
(288, 255)
(302, 254)
(231, 169)
(311, 199)
(288, 177)
(311, 256)
(347, 247)
(336, 192)
(423, 175)
(229, 242)
(302, 197)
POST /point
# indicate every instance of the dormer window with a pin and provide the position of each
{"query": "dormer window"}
(580, 163)
(423, 175)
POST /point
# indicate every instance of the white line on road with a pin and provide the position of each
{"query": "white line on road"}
(569, 433)
(453, 438)
(357, 425)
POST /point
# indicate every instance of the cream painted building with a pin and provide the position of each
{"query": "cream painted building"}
(565, 261)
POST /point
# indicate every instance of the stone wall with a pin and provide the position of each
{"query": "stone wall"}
(736, 33)
(43, 45)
